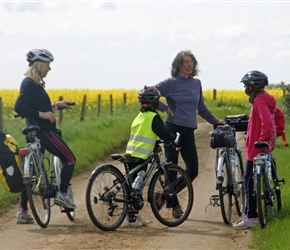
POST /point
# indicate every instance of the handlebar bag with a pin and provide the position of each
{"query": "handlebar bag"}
(10, 166)
(222, 137)
(240, 122)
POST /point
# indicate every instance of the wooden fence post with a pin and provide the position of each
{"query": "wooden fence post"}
(1, 115)
(98, 105)
(124, 98)
(60, 112)
(214, 94)
(83, 108)
(111, 104)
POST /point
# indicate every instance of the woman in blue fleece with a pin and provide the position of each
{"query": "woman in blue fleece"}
(34, 104)
(183, 93)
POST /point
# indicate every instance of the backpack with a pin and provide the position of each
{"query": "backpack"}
(10, 164)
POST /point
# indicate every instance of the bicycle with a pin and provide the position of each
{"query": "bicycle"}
(41, 182)
(110, 196)
(266, 182)
(229, 168)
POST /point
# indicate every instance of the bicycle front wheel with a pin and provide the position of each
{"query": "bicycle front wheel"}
(261, 196)
(171, 199)
(107, 197)
(38, 198)
(238, 186)
(225, 188)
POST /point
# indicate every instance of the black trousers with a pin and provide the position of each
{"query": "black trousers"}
(187, 151)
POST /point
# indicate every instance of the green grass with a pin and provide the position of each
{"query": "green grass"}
(95, 137)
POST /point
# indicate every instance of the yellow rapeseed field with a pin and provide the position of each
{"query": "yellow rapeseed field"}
(77, 95)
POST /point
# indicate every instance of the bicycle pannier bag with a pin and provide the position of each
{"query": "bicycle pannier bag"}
(10, 166)
(223, 136)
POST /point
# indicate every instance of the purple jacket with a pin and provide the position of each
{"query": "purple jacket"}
(185, 99)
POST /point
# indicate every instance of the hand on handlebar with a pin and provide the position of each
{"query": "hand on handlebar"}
(64, 105)
(176, 142)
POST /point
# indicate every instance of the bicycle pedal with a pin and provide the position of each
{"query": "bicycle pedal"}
(281, 180)
(214, 199)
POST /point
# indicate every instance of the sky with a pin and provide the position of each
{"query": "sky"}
(129, 44)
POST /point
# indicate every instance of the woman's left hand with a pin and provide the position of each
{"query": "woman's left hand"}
(221, 122)
(63, 105)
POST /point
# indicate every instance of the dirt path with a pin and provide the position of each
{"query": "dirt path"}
(202, 230)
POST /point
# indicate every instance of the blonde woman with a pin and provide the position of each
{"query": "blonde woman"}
(34, 104)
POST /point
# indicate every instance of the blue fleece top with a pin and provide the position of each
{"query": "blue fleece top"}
(32, 99)
(185, 99)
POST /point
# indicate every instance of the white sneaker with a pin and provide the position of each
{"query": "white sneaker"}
(142, 220)
(242, 217)
(246, 223)
(63, 201)
(127, 223)
(22, 218)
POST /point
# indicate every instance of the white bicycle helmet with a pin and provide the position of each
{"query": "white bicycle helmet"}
(39, 55)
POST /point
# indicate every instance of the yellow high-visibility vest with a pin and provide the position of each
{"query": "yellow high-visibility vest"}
(142, 139)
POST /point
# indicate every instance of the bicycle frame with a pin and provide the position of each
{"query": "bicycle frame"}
(32, 154)
(222, 154)
(154, 162)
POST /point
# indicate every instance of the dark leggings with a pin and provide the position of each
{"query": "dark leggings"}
(187, 151)
(54, 144)
(251, 209)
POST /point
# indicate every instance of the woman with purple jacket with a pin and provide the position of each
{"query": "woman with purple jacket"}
(183, 93)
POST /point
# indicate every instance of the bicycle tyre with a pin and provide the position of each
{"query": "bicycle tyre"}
(57, 167)
(225, 188)
(276, 184)
(261, 194)
(107, 197)
(240, 192)
(183, 193)
(39, 201)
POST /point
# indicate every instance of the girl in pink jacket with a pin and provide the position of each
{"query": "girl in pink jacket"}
(266, 122)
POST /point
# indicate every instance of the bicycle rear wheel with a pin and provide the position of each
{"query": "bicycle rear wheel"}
(38, 198)
(225, 188)
(164, 200)
(261, 197)
(57, 168)
(107, 197)
(239, 187)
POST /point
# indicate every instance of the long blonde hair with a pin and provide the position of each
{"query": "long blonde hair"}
(34, 71)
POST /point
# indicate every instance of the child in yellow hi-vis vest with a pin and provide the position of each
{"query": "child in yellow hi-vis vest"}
(145, 128)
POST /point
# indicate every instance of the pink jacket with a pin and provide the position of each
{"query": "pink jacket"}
(264, 114)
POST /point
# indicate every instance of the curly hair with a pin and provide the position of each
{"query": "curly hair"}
(178, 61)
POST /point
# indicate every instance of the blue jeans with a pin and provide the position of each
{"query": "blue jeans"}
(187, 151)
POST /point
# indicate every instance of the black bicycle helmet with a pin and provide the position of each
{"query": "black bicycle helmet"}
(39, 55)
(149, 97)
(255, 79)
